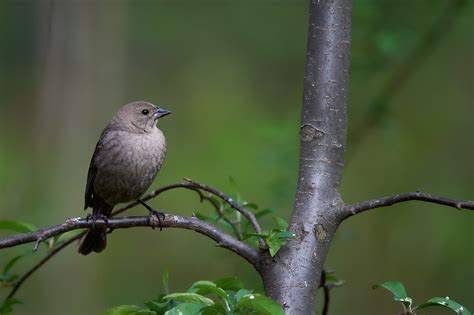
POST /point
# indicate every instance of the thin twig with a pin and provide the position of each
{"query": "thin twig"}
(217, 207)
(39, 264)
(327, 298)
(249, 215)
(350, 210)
(327, 287)
(195, 186)
(170, 221)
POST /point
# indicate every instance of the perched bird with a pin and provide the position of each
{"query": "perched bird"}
(126, 159)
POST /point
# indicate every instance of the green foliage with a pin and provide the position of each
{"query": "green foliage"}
(445, 302)
(228, 295)
(275, 238)
(398, 291)
(231, 219)
(127, 310)
(400, 295)
(6, 307)
(221, 297)
(7, 277)
(17, 226)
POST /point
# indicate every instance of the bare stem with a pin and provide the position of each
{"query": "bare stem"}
(39, 264)
(350, 210)
(249, 215)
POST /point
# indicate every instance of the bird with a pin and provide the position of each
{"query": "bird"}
(126, 160)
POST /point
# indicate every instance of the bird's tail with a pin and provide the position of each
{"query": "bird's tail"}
(94, 241)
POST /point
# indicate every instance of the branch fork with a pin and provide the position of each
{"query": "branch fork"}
(221, 238)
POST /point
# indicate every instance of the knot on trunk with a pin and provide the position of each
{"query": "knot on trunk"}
(320, 232)
(308, 133)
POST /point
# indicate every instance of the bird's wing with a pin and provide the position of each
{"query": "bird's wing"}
(93, 170)
(90, 186)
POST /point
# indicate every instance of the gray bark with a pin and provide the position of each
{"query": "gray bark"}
(293, 276)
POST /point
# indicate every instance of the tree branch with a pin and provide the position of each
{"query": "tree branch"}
(51, 254)
(126, 207)
(249, 215)
(171, 221)
(193, 186)
(350, 210)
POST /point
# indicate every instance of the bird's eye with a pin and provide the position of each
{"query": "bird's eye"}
(145, 112)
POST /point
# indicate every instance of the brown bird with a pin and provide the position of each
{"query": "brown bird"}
(126, 159)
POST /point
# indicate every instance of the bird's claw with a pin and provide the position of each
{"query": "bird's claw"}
(96, 216)
(160, 215)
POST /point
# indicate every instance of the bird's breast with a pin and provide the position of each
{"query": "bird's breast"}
(128, 165)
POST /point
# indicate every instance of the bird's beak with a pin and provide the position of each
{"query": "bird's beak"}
(160, 112)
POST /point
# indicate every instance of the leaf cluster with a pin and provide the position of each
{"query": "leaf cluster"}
(400, 295)
(221, 297)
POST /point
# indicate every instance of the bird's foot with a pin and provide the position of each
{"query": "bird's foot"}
(97, 216)
(153, 214)
(156, 214)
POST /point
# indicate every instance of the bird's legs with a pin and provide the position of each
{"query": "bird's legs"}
(95, 216)
(153, 212)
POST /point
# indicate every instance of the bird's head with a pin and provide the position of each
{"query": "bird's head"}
(139, 116)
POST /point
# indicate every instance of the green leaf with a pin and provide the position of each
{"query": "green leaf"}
(251, 205)
(248, 235)
(282, 224)
(277, 239)
(264, 212)
(17, 226)
(12, 262)
(127, 310)
(398, 291)
(66, 236)
(189, 297)
(274, 244)
(201, 216)
(446, 302)
(223, 222)
(216, 309)
(204, 287)
(6, 307)
(285, 235)
(8, 277)
(185, 309)
(261, 304)
(252, 241)
(229, 284)
(241, 293)
(331, 278)
(158, 305)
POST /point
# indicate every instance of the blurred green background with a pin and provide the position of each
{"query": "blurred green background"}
(232, 73)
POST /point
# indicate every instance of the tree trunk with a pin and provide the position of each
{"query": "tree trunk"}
(293, 276)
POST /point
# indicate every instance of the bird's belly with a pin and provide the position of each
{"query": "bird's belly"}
(128, 172)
